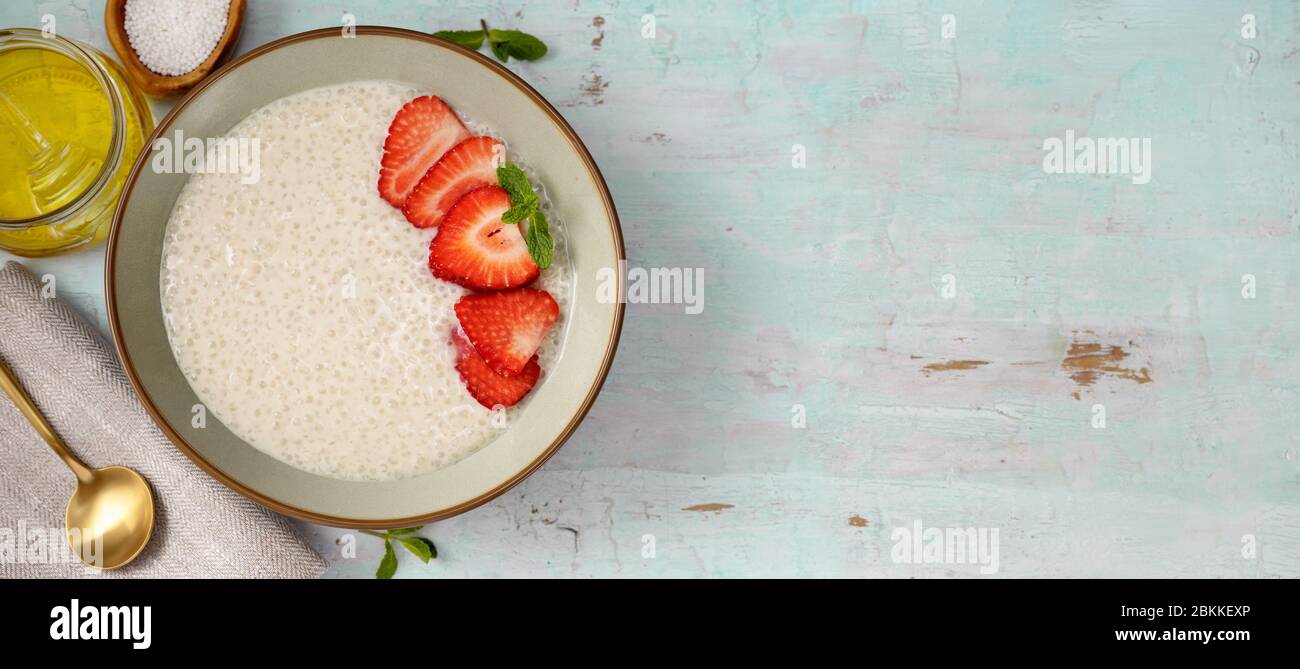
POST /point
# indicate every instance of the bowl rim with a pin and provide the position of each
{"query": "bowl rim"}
(114, 324)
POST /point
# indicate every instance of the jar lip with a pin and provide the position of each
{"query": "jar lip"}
(13, 38)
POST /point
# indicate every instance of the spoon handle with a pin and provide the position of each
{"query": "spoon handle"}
(15, 391)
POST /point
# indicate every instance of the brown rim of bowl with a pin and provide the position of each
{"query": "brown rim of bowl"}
(110, 290)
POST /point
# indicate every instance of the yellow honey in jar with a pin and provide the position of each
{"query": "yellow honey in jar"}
(70, 128)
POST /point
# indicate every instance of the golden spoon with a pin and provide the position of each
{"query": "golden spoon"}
(110, 516)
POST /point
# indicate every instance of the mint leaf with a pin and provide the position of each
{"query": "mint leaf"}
(420, 547)
(470, 39)
(516, 213)
(388, 565)
(516, 184)
(405, 530)
(538, 237)
(519, 44)
(524, 204)
(503, 43)
(500, 51)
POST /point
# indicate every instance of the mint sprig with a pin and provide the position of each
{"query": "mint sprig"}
(503, 44)
(526, 206)
(418, 546)
(470, 39)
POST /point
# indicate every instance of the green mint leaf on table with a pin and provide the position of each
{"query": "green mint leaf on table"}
(525, 205)
(470, 39)
(420, 547)
(499, 50)
(388, 565)
(503, 43)
(521, 45)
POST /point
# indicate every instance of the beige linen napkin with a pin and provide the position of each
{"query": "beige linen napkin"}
(202, 529)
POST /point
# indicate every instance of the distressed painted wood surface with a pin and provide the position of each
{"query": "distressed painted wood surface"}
(825, 287)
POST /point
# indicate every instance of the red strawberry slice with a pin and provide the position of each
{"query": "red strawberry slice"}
(507, 328)
(420, 133)
(485, 385)
(478, 250)
(467, 166)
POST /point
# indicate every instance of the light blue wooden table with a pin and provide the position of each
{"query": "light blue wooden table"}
(949, 319)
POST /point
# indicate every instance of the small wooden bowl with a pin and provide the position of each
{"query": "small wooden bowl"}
(158, 85)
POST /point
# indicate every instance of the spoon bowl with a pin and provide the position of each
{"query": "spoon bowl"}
(110, 517)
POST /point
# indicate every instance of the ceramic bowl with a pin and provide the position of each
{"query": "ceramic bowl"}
(480, 89)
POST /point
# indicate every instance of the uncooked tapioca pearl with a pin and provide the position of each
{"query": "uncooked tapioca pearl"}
(172, 37)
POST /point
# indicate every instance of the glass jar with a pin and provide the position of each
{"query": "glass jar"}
(71, 126)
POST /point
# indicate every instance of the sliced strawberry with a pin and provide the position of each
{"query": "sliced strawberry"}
(467, 166)
(507, 328)
(478, 250)
(485, 385)
(420, 133)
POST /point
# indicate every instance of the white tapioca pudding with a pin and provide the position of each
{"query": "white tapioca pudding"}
(303, 309)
